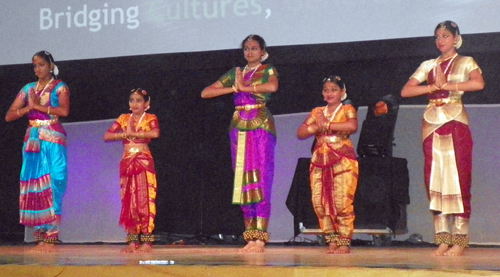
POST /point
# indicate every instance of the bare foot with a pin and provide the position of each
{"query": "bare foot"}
(144, 248)
(442, 248)
(131, 248)
(42, 247)
(344, 249)
(258, 247)
(332, 246)
(37, 248)
(49, 247)
(455, 250)
(247, 247)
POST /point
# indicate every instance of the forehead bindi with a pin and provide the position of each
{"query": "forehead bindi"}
(442, 32)
(331, 85)
(39, 60)
(252, 44)
(136, 97)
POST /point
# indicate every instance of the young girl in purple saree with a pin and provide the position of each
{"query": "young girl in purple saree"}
(253, 138)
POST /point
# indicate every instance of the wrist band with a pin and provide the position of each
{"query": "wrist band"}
(254, 88)
(17, 111)
(234, 88)
(48, 110)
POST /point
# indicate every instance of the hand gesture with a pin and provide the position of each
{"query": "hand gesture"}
(322, 123)
(239, 83)
(33, 100)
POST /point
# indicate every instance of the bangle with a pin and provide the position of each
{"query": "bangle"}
(254, 88)
(442, 87)
(310, 129)
(116, 136)
(429, 89)
(456, 86)
(48, 110)
(437, 88)
(123, 135)
(140, 135)
(234, 88)
(326, 126)
(17, 111)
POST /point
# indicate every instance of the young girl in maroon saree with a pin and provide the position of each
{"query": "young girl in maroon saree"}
(137, 171)
(447, 140)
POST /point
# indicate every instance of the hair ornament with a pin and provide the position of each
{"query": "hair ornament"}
(264, 57)
(55, 70)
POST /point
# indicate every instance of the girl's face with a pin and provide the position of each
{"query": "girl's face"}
(137, 104)
(445, 40)
(332, 93)
(41, 68)
(252, 51)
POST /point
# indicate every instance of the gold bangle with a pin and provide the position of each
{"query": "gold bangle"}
(254, 88)
(326, 126)
(141, 135)
(437, 88)
(116, 138)
(234, 88)
(429, 89)
(442, 87)
(310, 130)
(17, 111)
(48, 110)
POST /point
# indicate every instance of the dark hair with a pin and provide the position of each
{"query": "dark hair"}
(141, 92)
(259, 39)
(450, 26)
(47, 57)
(336, 80)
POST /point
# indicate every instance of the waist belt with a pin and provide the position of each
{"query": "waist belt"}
(442, 101)
(40, 123)
(332, 139)
(250, 107)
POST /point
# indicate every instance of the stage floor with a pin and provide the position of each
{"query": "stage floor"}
(174, 260)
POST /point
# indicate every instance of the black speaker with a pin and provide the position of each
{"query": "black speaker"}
(298, 200)
(376, 138)
(382, 194)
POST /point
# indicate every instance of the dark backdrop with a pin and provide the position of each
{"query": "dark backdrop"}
(192, 156)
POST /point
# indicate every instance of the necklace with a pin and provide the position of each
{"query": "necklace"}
(136, 127)
(447, 66)
(139, 122)
(251, 68)
(38, 83)
(325, 112)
